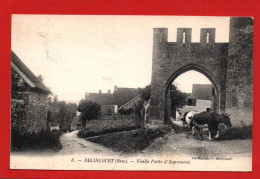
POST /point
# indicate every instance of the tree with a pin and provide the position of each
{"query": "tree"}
(62, 115)
(178, 98)
(53, 112)
(71, 109)
(145, 93)
(89, 110)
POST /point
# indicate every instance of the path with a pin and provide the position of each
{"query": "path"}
(71, 144)
(178, 144)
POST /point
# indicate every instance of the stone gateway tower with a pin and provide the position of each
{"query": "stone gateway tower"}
(229, 66)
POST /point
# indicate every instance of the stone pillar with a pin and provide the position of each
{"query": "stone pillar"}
(160, 37)
(239, 93)
(167, 112)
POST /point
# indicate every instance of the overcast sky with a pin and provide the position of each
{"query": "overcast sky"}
(78, 54)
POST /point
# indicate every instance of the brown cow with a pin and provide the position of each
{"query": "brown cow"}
(212, 120)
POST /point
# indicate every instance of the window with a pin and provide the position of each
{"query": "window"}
(191, 102)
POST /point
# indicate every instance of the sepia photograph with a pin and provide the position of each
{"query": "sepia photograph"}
(138, 93)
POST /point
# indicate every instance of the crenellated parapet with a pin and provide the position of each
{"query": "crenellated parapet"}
(229, 67)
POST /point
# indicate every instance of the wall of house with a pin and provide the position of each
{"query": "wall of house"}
(28, 107)
(108, 109)
(201, 105)
(132, 103)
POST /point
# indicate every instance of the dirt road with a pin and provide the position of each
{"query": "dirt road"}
(179, 144)
(71, 144)
(171, 146)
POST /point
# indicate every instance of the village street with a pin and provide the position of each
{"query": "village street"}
(71, 144)
(170, 144)
(174, 147)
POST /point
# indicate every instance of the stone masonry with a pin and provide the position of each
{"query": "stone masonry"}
(28, 107)
(227, 65)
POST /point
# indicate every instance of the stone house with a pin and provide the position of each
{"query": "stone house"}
(200, 99)
(130, 104)
(29, 99)
(111, 102)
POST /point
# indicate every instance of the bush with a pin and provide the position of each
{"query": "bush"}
(131, 141)
(99, 127)
(123, 111)
(44, 140)
(89, 110)
(244, 132)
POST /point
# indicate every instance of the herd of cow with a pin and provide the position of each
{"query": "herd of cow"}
(193, 121)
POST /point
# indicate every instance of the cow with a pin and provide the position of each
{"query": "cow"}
(187, 117)
(212, 120)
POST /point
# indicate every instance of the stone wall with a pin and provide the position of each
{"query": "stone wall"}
(28, 107)
(229, 66)
(201, 105)
(109, 109)
(171, 59)
(240, 71)
(37, 111)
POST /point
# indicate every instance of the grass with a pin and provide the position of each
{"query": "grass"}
(44, 140)
(130, 141)
(244, 132)
(233, 133)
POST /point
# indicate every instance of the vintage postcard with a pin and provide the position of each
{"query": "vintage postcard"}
(150, 93)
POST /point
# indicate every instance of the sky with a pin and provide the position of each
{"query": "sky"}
(81, 53)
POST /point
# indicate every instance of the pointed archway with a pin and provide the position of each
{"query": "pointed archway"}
(176, 74)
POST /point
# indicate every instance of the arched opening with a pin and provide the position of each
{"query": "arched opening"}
(194, 88)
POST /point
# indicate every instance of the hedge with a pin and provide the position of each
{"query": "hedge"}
(99, 127)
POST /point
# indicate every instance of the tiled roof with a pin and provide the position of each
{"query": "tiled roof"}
(100, 98)
(119, 97)
(201, 91)
(35, 82)
(123, 95)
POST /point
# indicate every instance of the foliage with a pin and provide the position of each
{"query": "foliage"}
(145, 93)
(178, 98)
(244, 132)
(44, 140)
(89, 110)
(66, 114)
(131, 141)
(61, 113)
(123, 111)
(53, 112)
(138, 109)
(99, 127)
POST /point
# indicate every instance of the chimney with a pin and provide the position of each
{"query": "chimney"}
(99, 91)
(109, 91)
(115, 87)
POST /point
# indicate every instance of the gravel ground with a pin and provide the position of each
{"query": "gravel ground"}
(179, 144)
(71, 144)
